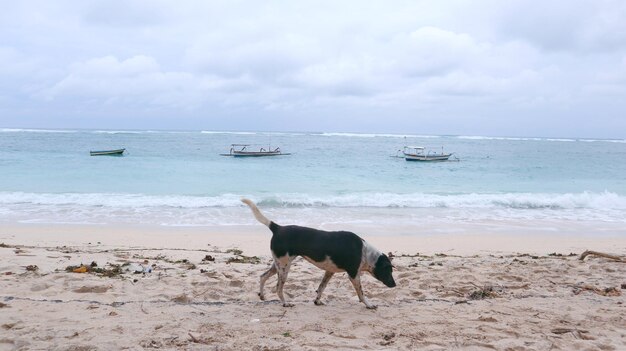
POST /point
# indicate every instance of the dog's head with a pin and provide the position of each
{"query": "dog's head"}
(382, 271)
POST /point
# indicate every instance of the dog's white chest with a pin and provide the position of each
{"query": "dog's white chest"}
(327, 265)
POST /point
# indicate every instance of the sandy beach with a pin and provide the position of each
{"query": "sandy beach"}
(474, 292)
(477, 147)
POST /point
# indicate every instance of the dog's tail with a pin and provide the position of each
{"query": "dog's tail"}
(257, 214)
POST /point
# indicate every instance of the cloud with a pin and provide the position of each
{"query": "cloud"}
(581, 25)
(299, 62)
(134, 81)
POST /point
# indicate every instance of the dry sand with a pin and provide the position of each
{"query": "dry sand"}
(474, 292)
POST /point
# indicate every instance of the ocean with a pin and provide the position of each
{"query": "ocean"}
(178, 178)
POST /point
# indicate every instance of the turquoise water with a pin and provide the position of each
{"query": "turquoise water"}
(178, 178)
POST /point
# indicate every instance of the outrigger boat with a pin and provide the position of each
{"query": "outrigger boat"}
(419, 153)
(118, 152)
(241, 150)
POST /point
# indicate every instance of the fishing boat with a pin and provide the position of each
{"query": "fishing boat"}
(419, 153)
(243, 150)
(118, 152)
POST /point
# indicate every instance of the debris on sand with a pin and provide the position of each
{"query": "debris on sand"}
(241, 258)
(555, 254)
(114, 270)
(610, 291)
(208, 258)
(199, 340)
(601, 254)
(185, 263)
(81, 269)
(32, 268)
(577, 333)
(486, 292)
(3, 305)
(137, 268)
(244, 259)
(388, 339)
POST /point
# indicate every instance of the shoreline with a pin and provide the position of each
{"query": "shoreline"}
(255, 239)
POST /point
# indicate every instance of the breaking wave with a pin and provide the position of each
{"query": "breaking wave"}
(19, 130)
(371, 135)
(522, 201)
(478, 137)
(225, 209)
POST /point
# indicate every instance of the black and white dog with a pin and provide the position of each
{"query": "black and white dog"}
(331, 251)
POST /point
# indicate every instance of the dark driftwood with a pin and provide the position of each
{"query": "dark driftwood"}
(601, 254)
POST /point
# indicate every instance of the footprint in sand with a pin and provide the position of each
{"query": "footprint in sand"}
(405, 274)
(213, 296)
(40, 287)
(98, 289)
(236, 283)
(297, 287)
(417, 294)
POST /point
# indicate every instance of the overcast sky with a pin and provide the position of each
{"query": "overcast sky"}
(508, 68)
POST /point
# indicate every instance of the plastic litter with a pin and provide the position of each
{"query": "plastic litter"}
(81, 269)
(137, 268)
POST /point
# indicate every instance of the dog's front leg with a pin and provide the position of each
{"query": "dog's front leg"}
(264, 277)
(356, 282)
(322, 286)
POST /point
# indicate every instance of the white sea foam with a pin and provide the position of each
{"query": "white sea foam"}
(621, 141)
(254, 133)
(178, 210)
(561, 139)
(479, 137)
(521, 201)
(122, 131)
(225, 132)
(18, 130)
(417, 200)
(377, 135)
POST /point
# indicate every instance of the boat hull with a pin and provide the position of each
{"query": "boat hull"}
(118, 152)
(255, 154)
(425, 158)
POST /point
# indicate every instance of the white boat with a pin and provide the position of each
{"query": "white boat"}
(419, 153)
(243, 150)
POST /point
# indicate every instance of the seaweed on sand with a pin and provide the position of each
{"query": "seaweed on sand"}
(486, 292)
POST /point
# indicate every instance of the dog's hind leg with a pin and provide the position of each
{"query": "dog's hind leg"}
(322, 286)
(282, 268)
(356, 282)
(264, 277)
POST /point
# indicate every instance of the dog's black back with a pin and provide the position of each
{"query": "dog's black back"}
(343, 248)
